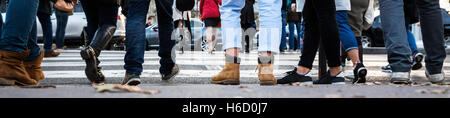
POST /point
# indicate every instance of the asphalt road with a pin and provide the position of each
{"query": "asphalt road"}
(67, 73)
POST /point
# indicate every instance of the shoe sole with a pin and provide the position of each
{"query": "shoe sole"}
(267, 83)
(338, 83)
(227, 82)
(400, 81)
(7, 82)
(91, 66)
(133, 82)
(362, 72)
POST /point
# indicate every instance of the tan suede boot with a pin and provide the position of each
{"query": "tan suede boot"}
(230, 73)
(228, 76)
(265, 71)
(12, 70)
(34, 68)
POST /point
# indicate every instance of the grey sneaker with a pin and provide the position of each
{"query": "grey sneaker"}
(435, 78)
(400, 77)
(172, 74)
(131, 80)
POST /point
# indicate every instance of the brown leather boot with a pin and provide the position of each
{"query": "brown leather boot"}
(229, 74)
(12, 69)
(265, 71)
(52, 53)
(34, 68)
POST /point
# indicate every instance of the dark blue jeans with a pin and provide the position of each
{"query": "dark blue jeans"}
(19, 30)
(47, 30)
(346, 35)
(397, 45)
(135, 36)
(61, 20)
(283, 30)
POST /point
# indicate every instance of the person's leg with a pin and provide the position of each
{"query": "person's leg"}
(168, 67)
(432, 32)
(231, 39)
(269, 39)
(347, 37)
(47, 30)
(20, 18)
(135, 43)
(311, 40)
(283, 30)
(135, 34)
(33, 61)
(356, 20)
(90, 10)
(395, 37)
(209, 37)
(291, 35)
(60, 30)
(326, 13)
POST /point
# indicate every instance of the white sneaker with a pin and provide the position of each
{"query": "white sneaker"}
(435, 78)
(400, 77)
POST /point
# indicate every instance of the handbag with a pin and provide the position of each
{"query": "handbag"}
(64, 6)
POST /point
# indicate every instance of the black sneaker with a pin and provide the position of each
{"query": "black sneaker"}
(172, 74)
(131, 80)
(335, 80)
(294, 77)
(417, 60)
(291, 72)
(386, 69)
(360, 73)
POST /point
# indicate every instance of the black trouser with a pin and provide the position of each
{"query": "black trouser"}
(320, 24)
(99, 14)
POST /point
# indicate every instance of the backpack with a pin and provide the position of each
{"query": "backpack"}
(185, 5)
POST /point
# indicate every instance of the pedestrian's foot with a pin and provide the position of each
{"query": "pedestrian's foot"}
(293, 77)
(360, 73)
(131, 80)
(335, 80)
(386, 69)
(51, 53)
(417, 60)
(400, 78)
(92, 71)
(435, 78)
(172, 74)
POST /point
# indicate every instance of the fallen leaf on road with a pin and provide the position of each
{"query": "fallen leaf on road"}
(333, 96)
(242, 86)
(116, 88)
(37, 86)
(434, 91)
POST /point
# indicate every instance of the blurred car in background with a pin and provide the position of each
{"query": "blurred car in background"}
(76, 29)
(198, 35)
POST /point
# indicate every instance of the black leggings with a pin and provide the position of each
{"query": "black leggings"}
(320, 24)
(99, 14)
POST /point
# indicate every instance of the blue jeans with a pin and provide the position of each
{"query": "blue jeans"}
(411, 41)
(292, 27)
(61, 20)
(47, 30)
(270, 25)
(283, 30)
(395, 34)
(135, 36)
(18, 33)
(346, 35)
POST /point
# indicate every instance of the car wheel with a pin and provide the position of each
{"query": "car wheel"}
(366, 42)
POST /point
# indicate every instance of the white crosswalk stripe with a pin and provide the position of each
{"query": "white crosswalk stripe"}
(69, 65)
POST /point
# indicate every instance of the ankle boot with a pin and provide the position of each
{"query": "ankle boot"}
(92, 70)
(34, 68)
(230, 73)
(265, 71)
(12, 69)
